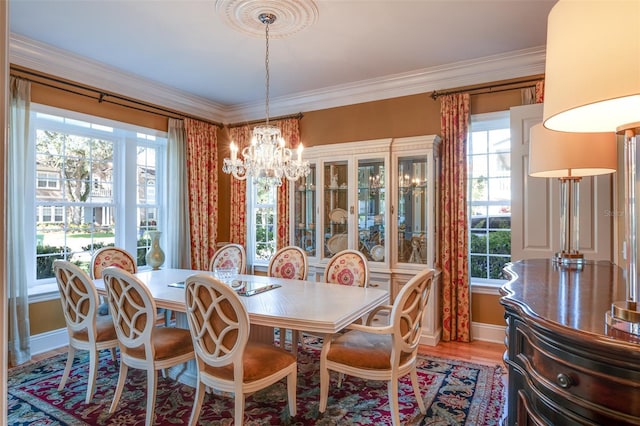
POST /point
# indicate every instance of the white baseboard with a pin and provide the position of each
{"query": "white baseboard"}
(48, 341)
(488, 332)
(431, 339)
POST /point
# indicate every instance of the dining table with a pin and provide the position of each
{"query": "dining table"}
(315, 307)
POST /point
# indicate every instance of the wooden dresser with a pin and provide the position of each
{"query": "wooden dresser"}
(566, 367)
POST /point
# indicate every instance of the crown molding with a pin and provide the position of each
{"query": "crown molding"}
(516, 64)
(47, 59)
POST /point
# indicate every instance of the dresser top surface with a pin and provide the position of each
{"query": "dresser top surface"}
(572, 299)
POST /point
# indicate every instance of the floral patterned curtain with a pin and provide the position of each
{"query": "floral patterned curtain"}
(290, 129)
(241, 135)
(202, 174)
(540, 91)
(454, 260)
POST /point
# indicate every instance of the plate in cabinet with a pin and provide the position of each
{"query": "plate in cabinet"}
(377, 253)
(337, 243)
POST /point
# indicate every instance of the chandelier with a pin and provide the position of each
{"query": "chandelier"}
(266, 159)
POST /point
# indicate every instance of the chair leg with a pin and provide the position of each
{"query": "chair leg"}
(291, 391)
(93, 372)
(119, 386)
(416, 390)
(152, 378)
(197, 406)
(67, 368)
(239, 411)
(392, 387)
(113, 354)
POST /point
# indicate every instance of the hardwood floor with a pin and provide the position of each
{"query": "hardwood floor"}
(485, 353)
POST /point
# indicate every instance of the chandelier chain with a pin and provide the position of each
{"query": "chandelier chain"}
(266, 65)
(267, 158)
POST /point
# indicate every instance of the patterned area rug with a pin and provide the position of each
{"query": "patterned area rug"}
(455, 393)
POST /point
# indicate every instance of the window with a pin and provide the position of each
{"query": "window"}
(262, 218)
(97, 183)
(489, 186)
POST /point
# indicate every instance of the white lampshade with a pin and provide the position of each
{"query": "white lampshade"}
(592, 76)
(562, 154)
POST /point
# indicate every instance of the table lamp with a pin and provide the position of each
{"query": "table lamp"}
(592, 84)
(569, 157)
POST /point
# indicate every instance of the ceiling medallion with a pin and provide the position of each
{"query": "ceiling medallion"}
(244, 16)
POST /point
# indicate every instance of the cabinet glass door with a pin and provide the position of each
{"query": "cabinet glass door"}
(371, 207)
(305, 207)
(412, 209)
(335, 209)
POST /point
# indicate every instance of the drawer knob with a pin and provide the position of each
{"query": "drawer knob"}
(564, 381)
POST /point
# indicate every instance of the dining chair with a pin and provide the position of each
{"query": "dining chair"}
(381, 352)
(289, 262)
(225, 358)
(110, 256)
(228, 256)
(116, 256)
(142, 344)
(87, 330)
(347, 267)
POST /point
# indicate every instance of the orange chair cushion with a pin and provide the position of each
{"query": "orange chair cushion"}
(363, 350)
(168, 342)
(259, 361)
(105, 330)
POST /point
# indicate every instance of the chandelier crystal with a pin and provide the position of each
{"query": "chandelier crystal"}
(266, 159)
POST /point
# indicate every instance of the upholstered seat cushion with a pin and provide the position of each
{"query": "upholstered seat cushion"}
(105, 330)
(168, 342)
(260, 360)
(364, 350)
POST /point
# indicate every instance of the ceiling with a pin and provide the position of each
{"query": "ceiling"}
(368, 49)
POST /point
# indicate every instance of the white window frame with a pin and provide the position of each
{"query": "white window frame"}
(484, 122)
(126, 138)
(252, 206)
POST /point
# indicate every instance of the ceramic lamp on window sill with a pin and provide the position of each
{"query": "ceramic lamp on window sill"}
(569, 157)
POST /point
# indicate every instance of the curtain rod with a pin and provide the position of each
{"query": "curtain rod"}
(488, 88)
(282, 117)
(103, 96)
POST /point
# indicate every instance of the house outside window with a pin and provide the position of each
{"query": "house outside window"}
(489, 186)
(262, 218)
(96, 184)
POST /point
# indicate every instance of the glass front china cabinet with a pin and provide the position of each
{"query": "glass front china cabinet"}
(378, 197)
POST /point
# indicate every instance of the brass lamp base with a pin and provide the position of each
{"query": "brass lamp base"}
(624, 316)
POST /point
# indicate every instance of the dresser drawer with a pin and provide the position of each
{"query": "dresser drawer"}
(586, 385)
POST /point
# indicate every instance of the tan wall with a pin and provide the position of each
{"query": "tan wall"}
(398, 117)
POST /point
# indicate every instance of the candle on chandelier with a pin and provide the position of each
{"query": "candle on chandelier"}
(234, 151)
(300, 152)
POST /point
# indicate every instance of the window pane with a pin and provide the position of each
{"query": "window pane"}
(489, 186)
(76, 199)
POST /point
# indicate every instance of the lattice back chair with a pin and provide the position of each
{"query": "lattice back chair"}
(382, 352)
(289, 262)
(228, 256)
(225, 357)
(142, 344)
(116, 256)
(347, 267)
(87, 330)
